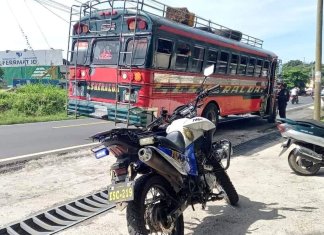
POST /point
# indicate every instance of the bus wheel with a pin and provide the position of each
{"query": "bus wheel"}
(211, 113)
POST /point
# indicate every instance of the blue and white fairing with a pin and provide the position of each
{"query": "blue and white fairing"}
(191, 130)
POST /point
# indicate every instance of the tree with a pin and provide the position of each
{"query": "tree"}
(1, 73)
(296, 73)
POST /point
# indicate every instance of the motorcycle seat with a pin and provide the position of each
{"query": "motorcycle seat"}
(173, 140)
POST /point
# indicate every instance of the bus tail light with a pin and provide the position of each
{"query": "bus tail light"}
(80, 28)
(137, 77)
(83, 73)
(75, 73)
(107, 13)
(141, 24)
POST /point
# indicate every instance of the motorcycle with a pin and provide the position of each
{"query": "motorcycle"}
(304, 146)
(170, 165)
(294, 99)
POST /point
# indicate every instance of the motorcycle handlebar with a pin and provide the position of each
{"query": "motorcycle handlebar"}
(180, 113)
(214, 88)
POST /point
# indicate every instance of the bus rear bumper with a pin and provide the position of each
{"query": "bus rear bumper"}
(137, 116)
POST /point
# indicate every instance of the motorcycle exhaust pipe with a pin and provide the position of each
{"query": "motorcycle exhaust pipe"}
(308, 155)
(153, 160)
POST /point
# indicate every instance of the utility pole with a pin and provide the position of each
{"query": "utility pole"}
(318, 61)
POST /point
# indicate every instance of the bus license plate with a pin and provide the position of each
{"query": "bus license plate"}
(121, 192)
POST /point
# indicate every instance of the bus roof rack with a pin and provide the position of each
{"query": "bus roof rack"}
(180, 15)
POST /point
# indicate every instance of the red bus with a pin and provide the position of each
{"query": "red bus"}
(129, 59)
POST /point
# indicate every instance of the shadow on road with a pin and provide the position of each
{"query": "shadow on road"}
(238, 220)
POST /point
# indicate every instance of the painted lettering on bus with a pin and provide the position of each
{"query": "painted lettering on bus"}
(239, 89)
(100, 86)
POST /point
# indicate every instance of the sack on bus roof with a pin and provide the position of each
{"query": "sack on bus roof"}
(181, 15)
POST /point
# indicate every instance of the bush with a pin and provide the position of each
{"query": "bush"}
(6, 101)
(34, 100)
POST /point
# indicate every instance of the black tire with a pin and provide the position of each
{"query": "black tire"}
(211, 113)
(225, 184)
(272, 117)
(136, 209)
(302, 166)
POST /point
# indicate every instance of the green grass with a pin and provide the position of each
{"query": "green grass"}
(8, 118)
(33, 103)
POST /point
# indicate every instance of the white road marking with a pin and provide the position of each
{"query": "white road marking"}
(32, 155)
(298, 107)
(77, 125)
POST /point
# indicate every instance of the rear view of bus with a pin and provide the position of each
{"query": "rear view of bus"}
(109, 53)
(130, 59)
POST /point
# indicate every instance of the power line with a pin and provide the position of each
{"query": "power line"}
(51, 11)
(39, 28)
(21, 30)
(55, 5)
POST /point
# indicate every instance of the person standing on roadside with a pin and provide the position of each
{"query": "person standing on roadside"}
(283, 98)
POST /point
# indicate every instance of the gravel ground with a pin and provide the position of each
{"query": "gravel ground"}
(273, 200)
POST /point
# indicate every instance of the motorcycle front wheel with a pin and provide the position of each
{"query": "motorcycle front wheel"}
(224, 184)
(302, 166)
(147, 213)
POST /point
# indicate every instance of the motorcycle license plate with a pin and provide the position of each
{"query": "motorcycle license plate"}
(121, 192)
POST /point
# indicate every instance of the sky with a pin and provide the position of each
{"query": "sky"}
(287, 27)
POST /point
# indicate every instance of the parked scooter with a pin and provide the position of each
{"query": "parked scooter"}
(182, 169)
(304, 146)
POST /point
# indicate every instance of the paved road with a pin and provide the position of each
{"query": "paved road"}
(24, 139)
(33, 138)
(303, 100)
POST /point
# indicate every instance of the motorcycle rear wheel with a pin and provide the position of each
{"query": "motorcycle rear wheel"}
(302, 166)
(143, 211)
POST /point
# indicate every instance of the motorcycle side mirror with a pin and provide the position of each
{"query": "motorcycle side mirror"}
(209, 70)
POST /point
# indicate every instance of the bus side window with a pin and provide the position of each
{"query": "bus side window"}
(242, 66)
(258, 68)
(265, 68)
(197, 59)
(163, 52)
(250, 67)
(212, 58)
(223, 62)
(182, 56)
(234, 63)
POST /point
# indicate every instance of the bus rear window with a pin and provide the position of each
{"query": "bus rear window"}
(136, 51)
(79, 54)
(105, 52)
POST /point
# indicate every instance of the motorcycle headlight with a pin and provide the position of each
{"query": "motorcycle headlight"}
(146, 141)
(188, 133)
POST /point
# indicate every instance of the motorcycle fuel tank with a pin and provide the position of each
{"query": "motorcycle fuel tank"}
(197, 127)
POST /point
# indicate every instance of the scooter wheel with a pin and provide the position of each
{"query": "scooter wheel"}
(302, 166)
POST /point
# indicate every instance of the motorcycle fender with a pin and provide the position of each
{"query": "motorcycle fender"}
(285, 152)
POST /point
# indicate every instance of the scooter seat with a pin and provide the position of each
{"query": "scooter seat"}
(173, 140)
(318, 127)
(311, 122)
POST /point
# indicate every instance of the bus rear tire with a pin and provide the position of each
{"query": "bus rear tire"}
(211, 113)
